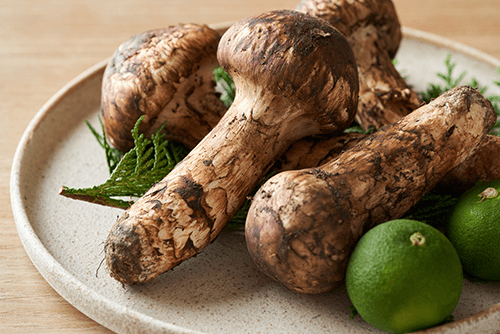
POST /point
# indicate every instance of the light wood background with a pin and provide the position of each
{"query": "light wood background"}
(45, 44)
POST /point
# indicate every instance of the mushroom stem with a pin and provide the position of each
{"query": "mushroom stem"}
(317, 151)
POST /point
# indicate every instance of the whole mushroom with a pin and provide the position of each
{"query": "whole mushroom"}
(295, 76)
(167, 76)
(303, 224)
(373, 30)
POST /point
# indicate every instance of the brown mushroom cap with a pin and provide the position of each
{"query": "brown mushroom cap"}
(299, 58)
(166, 75)
(348, 16)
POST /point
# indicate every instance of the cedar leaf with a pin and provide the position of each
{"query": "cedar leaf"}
(149, 161)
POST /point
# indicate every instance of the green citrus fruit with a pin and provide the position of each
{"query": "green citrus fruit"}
(403, 276)
(474, 230)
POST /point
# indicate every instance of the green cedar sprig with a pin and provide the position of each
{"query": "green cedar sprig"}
(434, 90)
(226, 85)
(358, 129)
(141, 167)
(113, 155)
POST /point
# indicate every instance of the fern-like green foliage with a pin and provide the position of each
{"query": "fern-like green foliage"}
(433, 209)
(149, 161)
(434, 90)
(226, 84)
(113, 155)
(358, 129)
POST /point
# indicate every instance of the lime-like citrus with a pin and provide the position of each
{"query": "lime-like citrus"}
(403, 276)
(474, 230)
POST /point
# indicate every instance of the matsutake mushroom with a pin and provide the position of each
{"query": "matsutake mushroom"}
(303, 224)
(295, 76)
(374, 33)
(167, 76)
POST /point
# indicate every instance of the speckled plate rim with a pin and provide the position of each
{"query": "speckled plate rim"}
(53, 272)
(93, 304)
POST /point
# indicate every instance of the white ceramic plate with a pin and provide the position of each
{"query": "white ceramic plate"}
(219, 291)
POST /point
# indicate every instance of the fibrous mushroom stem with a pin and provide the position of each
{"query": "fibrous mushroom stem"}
(316, 151)
(295, 76)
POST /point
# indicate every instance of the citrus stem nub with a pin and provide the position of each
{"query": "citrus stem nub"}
(488, 193)
(417, 239)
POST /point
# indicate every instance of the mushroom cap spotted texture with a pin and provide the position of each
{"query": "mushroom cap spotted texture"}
(296, 56)
(165, 75)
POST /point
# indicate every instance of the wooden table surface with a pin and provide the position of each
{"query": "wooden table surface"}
(45, 44)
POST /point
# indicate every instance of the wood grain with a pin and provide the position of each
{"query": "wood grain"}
(45, 44)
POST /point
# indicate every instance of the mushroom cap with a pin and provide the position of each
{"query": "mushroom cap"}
(349, 15)
(296, 56)
(156, 69)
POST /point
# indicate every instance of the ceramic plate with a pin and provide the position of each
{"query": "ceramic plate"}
(220, 290)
